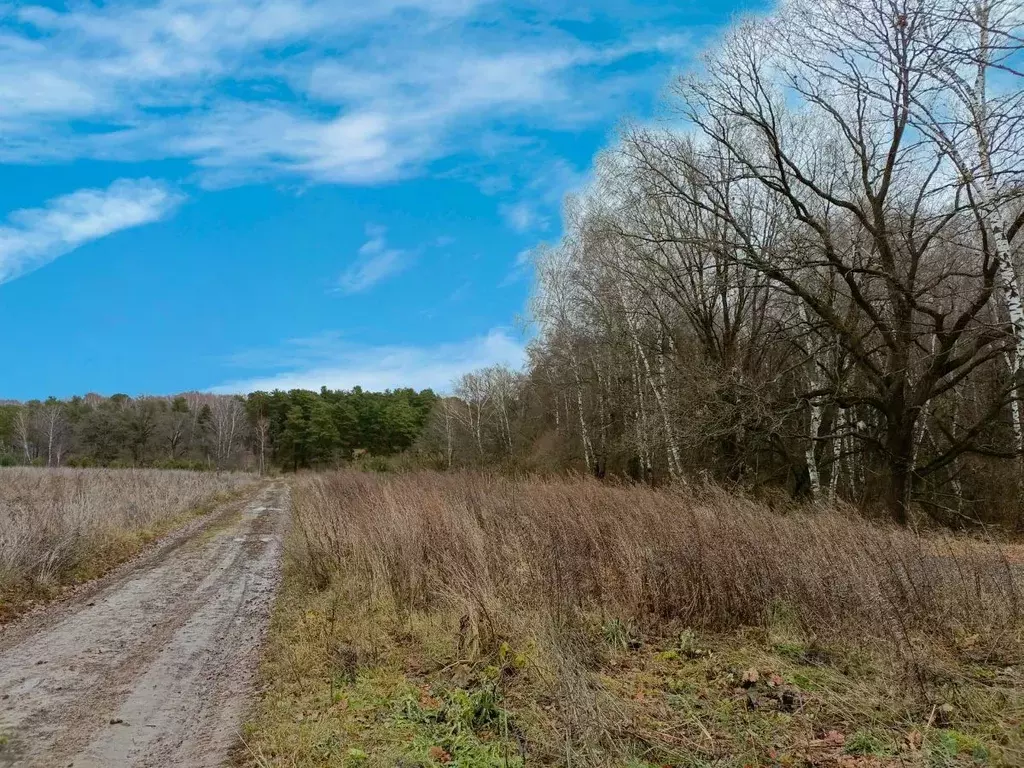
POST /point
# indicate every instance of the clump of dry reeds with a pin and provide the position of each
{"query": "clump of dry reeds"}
(488, 546)
(52, 521)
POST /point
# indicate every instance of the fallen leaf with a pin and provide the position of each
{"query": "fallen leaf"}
(834, 739)
(439, 754)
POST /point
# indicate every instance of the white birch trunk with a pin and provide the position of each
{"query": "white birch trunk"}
(988, 199)
(997, 225)
(448, 433)
(584, 433)
(674, 465)
(837, 458)
(814, 419)
(810, 455)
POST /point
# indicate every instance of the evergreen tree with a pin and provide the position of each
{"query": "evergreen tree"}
(293, 438)
(322, 434)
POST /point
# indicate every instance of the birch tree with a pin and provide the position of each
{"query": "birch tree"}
(54, 429)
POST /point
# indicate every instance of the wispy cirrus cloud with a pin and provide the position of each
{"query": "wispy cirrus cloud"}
(375, 261)
(521, 268)
(310, 89)
(522, 216)
(329, 360)
(33, 237)
(541, 195)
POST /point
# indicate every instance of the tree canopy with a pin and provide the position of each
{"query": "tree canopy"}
(296, 429)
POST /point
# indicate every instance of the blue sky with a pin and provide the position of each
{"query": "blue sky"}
(238, 194)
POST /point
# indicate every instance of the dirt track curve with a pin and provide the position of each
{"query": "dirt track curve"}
(150, 666)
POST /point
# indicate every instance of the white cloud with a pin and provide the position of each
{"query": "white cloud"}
(375, 262)
(33, 237)
(522, 217)
(338, 365)
(240, 141)
(315, 89)
(43, 93)
(541, 194)
(521, 268)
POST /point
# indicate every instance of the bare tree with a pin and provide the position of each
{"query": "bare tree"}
(261, 433)
(23, 429)
(55, 430)
(813, 284)
(877, 212)
(228, 414)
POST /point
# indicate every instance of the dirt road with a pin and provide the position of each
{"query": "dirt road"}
(151, 665)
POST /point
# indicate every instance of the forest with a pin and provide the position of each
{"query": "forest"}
(293, 430)
(813, 290)
(804, 277)
(755, 498)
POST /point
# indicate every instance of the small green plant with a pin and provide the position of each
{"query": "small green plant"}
(475, 709)
(947, 745)
(690, 647)
(867, 744)
(621, 634)
(356, 757)
(467, 727)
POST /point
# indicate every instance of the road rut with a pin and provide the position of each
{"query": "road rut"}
(152, 666)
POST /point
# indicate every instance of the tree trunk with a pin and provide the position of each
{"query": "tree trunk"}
(584, 434)
(810, 455)
(899, 444)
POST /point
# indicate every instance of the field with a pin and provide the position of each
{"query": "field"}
(469, 620)
(62, 526)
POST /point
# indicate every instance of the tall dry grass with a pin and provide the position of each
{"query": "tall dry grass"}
(53, 522)
(489, 549)
(572, 622)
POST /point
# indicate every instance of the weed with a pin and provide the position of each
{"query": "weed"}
(621, 635)
(866, 743)
(949, 747)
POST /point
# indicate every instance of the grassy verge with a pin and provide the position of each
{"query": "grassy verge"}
(101, 548)
(353, 684)
(365, 669)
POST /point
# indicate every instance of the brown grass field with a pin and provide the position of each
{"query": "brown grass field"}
(469, 620)
(62, 526)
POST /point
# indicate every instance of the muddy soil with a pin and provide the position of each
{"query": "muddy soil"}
(152, 665)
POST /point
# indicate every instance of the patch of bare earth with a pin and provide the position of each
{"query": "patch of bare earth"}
(152, 665)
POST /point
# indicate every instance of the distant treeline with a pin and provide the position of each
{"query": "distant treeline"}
(292, 430)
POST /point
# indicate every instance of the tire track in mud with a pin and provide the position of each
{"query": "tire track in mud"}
(153, 665)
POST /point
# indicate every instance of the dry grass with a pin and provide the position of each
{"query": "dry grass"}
(474, 620)
(484, 545)
(59, 526)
